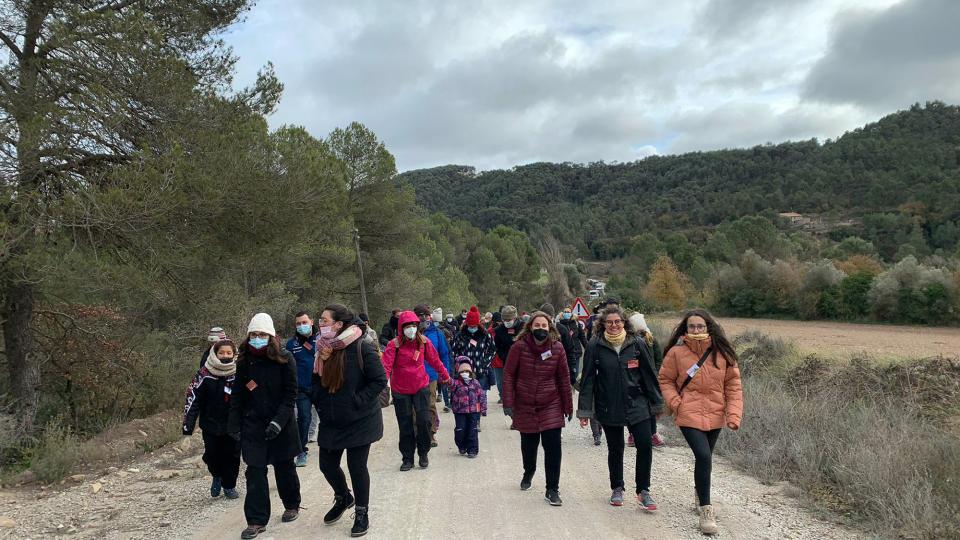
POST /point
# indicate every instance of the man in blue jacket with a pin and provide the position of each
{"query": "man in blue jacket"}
(435, 335)
(303, 346)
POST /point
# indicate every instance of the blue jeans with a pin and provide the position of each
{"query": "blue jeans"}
(486, 380)
(304, 416)
(445, 392)
(498, 374)
(465, 434)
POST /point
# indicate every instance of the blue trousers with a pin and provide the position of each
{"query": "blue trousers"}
(465, 434)
(304, 415)
(498, 374)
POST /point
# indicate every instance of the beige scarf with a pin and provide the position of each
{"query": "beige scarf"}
(218, 368)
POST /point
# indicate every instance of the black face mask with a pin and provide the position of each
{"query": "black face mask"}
(540, 334)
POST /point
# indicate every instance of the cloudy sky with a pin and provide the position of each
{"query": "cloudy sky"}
(497, 83)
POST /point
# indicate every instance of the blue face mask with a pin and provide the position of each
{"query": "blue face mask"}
(567, 316)
(304, 329)
(259, 342)
(472, 329)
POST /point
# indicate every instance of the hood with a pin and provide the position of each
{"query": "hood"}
(406, 317)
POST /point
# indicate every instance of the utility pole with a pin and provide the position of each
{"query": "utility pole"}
(363, 286)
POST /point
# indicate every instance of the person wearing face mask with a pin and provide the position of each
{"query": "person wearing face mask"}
(701, 385)
(462, 317)
(346, 387)
(303, 348)
(503, 339)
(389, 330)
(576, 337)
(450, 326)
(537, 396)
(476, 344)
(403, 361)
(619, 389)
(430, 331)
(469, 404)
(208, 398)
(262, 419)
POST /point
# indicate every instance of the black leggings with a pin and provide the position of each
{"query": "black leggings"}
(552, 454)
(702, 444)
(642, 433)
(356, 464)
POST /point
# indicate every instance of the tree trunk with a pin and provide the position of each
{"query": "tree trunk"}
(23, 371)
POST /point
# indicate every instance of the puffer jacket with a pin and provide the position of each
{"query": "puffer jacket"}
(536, 385)
(619, 389)
(435, 335)
(714, 396)
(403, 360)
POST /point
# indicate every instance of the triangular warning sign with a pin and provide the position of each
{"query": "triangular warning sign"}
(579, 309)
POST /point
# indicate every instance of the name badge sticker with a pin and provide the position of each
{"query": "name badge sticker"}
(633, 363)
(307, 345)
(227, 390)
(545, 355)
(693, 370)
(473, 343)
(252, 385)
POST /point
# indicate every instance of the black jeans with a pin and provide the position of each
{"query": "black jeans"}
(465, 433)
(222, 455)
(410, 409)
(552, 455)
(702, 443)
(356, 464)
(642, 433)
(256, 505)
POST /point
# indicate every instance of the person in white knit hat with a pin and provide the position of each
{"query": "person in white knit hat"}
(262, 419)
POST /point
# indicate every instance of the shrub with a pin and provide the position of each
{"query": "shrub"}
(56, 453)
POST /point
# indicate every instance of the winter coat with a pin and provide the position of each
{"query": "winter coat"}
(714, 396)
(468, 398)
(403, 361)
(303, 351)
(536, 385)
(577, 339)
(388, 332)
(208, 397)
(265, 391)
(619, 389)
(435, 335)
(503, 339)
(351, 416)
(478, 347)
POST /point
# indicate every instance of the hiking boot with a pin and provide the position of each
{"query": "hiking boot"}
(252, 531)
(231, 493)
(708, 520)
(472, 456)
(301, 460)
(525, 482)
(553, 497)
(658, 441)
(646, 501)
(290, 514)
(630, 442)
(361, 522)
(340, 505)
(215, 487)
(406, 465)
(616, 499)
(424, 462)
(596, 440)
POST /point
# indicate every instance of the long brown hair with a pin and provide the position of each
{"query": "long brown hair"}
(717, 336)
(333, 368)
(554, 334)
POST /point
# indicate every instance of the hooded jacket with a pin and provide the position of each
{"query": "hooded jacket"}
(439, 340)
(304, 350)
(403, 360)
(208, 397)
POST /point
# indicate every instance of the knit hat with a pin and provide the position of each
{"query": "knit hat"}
(421, 310)
(508, 312)
(473, 316)
(548, 309)
(464, 361)
(261, 322)
(437, 315)
(216, 334)
(638, 322)
(497, 317)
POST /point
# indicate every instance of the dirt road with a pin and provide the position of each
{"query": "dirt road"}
(166, 496)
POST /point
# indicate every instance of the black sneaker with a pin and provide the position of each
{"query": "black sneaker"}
(361, 522)
(252, 531)
(290, 514)
(424, 462)
(340, 505)
(553, 497)
(406, 466)
(525, 482)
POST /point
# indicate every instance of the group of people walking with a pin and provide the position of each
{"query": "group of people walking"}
(257, 399)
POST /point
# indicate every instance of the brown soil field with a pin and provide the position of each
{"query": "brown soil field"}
(844, 340)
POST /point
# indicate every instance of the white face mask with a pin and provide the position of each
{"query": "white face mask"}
(410, 332)
(509, 324)
(465, 376)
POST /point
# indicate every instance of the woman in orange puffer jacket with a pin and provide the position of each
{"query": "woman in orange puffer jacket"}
(703, 399)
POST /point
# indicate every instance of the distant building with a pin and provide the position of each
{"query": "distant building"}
(794, 218)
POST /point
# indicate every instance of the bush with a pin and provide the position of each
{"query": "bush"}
(56, 453)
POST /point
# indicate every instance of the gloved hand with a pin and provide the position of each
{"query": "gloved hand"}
(483, 414)
(569, 417)
(187, 432)
(272, 431)
(235, 436)
(508, 411)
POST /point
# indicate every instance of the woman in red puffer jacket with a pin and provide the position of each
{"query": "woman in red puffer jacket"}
(536, 394)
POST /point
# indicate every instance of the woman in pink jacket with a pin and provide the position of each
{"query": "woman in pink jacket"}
(403, 359)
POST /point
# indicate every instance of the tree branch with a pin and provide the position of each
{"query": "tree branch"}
(12, 45)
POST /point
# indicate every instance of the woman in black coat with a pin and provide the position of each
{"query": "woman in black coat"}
(619, 388)
(261, 417)
(347, 382)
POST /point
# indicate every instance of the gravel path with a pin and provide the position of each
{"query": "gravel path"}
(165, 496)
